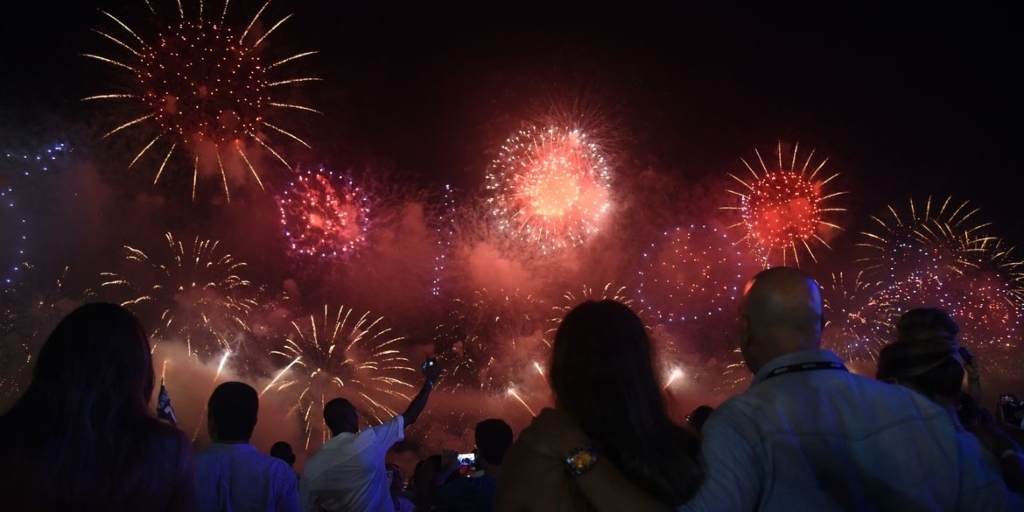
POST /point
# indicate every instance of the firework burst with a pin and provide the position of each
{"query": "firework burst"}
(847, 331)
(492, 339)
(192, 293)
(201, 84)
(340, 353)
(549, 188)
(324, 215)
(938, 256)
(785, 209)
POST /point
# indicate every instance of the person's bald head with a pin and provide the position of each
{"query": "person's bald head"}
(780, 313)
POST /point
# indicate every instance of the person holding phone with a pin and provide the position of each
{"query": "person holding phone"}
(475, 490)
(348, 472)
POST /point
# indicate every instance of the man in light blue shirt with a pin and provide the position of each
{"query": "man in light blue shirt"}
(232, 475)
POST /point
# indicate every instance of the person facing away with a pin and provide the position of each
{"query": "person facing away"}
(83, 437)
(232, 474)
(602, 377)
(493, 437)
(807, 434)
(282, 450)
(925, 358)
(347, 473)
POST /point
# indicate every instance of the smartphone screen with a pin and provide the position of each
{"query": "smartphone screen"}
(467, 459)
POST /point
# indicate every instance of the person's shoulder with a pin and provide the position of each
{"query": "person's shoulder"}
(166, 438)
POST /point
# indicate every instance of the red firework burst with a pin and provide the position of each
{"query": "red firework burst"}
(323, 215)
(202, 85)
(550, 188)
(785, 209)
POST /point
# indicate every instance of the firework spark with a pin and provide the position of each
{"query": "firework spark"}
(15, 168)
(480, 331)
(323, 215)
(29, 310)
(847, 331)
(201, 84)
(693, 273)
(444, 223)
(341, 353)
(191, 292)
(785, 209)
(550, 188)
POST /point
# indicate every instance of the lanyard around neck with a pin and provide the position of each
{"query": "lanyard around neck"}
(806, 367)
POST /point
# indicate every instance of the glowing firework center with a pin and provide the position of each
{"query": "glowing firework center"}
(551, 188)
(215, 91)
(782, 209)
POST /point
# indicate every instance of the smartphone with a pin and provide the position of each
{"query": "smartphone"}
(467, 459)
(966, 355)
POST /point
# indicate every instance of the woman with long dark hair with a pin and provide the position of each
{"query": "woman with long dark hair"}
(602, 376)
(83, 436)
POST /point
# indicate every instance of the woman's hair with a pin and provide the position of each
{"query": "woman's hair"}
(83, 429)
(924, 355)
(602, 373)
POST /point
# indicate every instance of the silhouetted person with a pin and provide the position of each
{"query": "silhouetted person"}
(493, 437)
(282, 450)
(347, 473)
(232, 474)
(926, 358)
(605, 386)
(83, 437)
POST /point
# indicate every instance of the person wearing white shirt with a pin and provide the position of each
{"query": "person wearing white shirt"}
(348, 474)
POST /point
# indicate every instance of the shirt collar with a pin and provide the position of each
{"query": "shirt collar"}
(801, 357)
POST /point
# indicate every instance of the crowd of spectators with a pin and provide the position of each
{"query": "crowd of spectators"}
(806, 435)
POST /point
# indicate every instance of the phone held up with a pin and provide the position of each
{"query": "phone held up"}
(429, 363)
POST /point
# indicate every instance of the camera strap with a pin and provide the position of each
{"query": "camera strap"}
(806, 367)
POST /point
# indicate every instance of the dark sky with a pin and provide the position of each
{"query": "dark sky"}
(907, 101)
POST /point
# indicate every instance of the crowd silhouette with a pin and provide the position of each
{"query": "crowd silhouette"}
(806, 435)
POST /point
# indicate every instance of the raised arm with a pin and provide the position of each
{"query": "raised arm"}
(431, 371)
